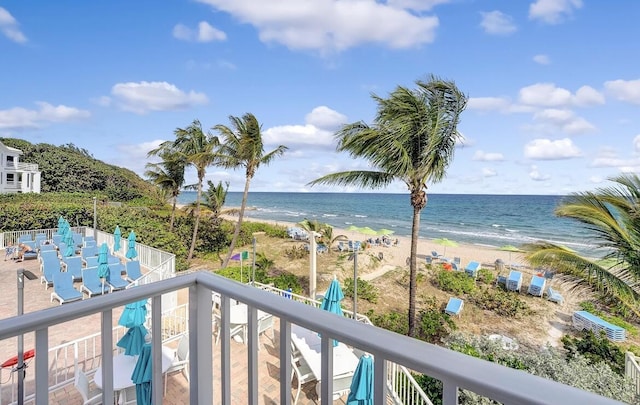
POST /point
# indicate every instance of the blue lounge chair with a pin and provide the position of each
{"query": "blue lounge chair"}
(40, 239)
(32, 254)
(63, 289)
(91, 283)
(472, 269)
(115, 278)
(554, 296)
(74, 267)
(454, 306)
(47, 253)
(536, 286)
(47, 247)
(91, 261)
(77, 239)
(90, 243)
(56, 238)
(435, 255)
(88, 252)
(514, 281)
(50, 266)
(585, 320)
(25, 238)
(429, 259)
(133, 270)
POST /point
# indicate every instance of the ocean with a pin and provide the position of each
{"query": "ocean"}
(487, 220)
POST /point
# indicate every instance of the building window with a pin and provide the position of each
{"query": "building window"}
(10, 178)
(10, 161)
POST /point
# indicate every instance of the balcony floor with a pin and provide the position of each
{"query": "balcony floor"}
(37, 298)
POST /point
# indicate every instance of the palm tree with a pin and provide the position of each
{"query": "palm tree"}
(213, 200)
(613, 216)
(198, 150)
(325, 231)
(169, 176)
(412, 139)
(242, 147)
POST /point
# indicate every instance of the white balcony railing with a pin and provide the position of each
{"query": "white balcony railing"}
(21, 166)
(455, 370)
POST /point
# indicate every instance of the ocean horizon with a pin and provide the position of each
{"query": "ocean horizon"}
(480, 219)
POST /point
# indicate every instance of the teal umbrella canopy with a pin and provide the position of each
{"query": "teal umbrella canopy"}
(331, 300)
(60, 225)
(141, 376)
(133, 340)
(131, 246)
(103, 262)
(361, 391)
(134, 314)
(71, 244)
(117, 235)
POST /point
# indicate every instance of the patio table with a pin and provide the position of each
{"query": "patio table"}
(238, 316)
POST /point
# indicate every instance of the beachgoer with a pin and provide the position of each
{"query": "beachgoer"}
(23, 249)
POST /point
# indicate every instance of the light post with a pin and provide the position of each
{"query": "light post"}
(95, 219)
(355, 284)
(21, 367)
(253, 268)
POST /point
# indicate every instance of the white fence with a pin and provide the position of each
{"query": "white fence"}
(632, 370)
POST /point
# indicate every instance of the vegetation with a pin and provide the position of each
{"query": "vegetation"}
(325, 230)
(576, 370)
(70, 169)
(168, 175)
(366, 290)
(611, 215)
(242, 147)
(455, 282)
(615, 320)
(412, 139)
(595, 348)
(501, 302)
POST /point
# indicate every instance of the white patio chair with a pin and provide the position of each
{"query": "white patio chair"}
(303, 375)
(81, 384)
(180, 361)
(264, 324)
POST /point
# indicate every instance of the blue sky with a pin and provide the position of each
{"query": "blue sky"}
(553, 85)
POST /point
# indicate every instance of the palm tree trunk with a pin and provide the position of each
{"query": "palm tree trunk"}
(173, 213)
(413, 270)
(197, 222)
(236, 233)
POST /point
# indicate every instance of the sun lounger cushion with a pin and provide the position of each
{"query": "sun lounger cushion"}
(454, 306)
(63, 289)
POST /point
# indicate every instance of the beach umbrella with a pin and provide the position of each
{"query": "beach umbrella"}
(384, 231)
(331, 300)
(116, 239)
(445, 242)
(510, 249)
(365, 230)
(141, 376)
(71, 244)
(133, 317)
(133, 340)
(361, 390)
(60, 225)
(353, 228)
(131, 244)
(103, 264)
(134, 314)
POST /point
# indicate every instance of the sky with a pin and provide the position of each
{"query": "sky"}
(553, 85)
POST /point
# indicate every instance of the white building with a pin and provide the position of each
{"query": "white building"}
(17, 177)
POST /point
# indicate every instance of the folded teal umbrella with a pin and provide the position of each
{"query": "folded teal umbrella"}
(133, 340)
(103, 263)
(331, 300)
(131, 244)
(141, 376)
(71, 244)
(361, 391)
(134, 314)
(116, 239)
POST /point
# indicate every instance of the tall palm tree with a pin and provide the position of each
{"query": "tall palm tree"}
(412, 139)
(612, 214)
(198, 149)
(213, 199)
(169, 176)
(242, 146)
(325, 230)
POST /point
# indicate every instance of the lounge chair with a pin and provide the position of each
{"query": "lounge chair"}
(472, 269)
(514, 281)
(436, 255)
(585, 320)
(73, 266)
(554, 296)
(454, 306)
(56, 238)
(77, 239)
(91, 283)
(88, 252)
(63, 289)
(429, 260)
(50, 266)
(91, 261)
(115, 277)
(536, 286)
(25, 238)
(32, 254)
(133, 270)
(47, 253)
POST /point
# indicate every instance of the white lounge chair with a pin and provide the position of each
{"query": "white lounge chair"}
(554, 296)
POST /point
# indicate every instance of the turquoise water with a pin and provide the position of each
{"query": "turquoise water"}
(492, 220)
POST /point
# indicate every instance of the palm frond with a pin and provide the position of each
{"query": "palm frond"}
(358, 178)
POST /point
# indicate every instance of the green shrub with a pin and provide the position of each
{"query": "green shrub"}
(501, 302)
(366, 290)
(455, 282)
(485, 276)
(296, 252)
(595, 349)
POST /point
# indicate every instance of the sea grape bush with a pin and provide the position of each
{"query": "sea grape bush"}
(501, 302)
(366, 290)
(455, 282)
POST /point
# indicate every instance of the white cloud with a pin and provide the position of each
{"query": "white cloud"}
(497, 23)
(332, 25)
(204, 33)
(636, 143)
(417, 5)
(565, 120)
(546, 149)
(549, 95)
(534, 174)
(624, 90)
(542, 59)
(488, 156)
(298, 135)
(488, 172)
(553, 11)
(596, 179)
(9, 27)
(325, 118)
(143, 97)
(19, 118)
(464, 141)
(488, 103)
